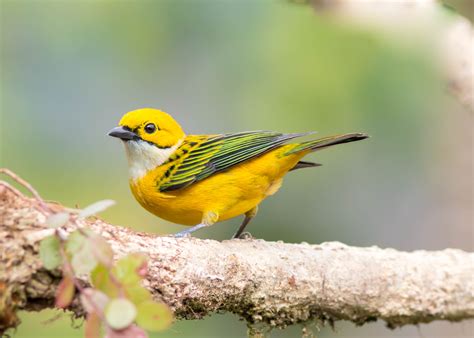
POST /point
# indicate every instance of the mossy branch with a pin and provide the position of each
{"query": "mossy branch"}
(273, 283)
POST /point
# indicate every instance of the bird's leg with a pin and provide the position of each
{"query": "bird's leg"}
(208, 219)
(248, 217)
(187, 232)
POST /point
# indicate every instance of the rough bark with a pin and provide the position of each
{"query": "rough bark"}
(273, 283)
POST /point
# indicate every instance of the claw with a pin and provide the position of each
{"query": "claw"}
(246, 235)
(182, 234)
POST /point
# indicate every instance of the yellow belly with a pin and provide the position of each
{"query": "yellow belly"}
(229, 194)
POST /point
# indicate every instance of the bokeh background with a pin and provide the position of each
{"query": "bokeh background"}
(70, 69)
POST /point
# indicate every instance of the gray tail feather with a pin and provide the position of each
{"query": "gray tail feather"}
(329, 141)
(340, 140)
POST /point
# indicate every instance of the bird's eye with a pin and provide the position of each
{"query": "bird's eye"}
(150, 128)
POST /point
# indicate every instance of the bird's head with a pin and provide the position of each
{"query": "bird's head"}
(150, 137)
(150, 125)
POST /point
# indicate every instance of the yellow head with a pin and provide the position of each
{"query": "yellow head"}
(150, 137)
(151, 125)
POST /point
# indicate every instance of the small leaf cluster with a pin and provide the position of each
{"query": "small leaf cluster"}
(116, 300)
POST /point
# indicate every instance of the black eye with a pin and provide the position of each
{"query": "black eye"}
(150, 128)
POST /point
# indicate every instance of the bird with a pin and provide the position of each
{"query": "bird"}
(199, 180)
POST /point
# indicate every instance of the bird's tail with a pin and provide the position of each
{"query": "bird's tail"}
(325, 142)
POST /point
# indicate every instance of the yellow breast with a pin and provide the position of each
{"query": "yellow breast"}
(230, 193)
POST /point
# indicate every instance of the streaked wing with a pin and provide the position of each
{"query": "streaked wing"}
(220, 152)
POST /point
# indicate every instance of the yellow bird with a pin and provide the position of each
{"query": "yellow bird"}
(199, 180)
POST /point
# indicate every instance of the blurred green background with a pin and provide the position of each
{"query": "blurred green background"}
(71, 69)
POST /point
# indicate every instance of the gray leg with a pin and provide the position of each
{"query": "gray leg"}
(187, 232)
(208, 219)
(249, 215)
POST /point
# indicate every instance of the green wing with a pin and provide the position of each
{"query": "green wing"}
(220, 152)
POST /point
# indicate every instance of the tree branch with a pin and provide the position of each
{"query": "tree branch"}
(420, 22)
(263, 282)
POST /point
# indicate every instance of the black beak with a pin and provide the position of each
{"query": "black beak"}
(123, 133)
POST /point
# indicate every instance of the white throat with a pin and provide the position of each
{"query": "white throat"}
(143, 157)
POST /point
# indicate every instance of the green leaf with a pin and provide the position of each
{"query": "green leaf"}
(154, 316)
(94, 300)
(129, 269)
(120, 313)
(137, 294)
(57, 220)
(100, 278)
(84, 261)
(75, 241)
(95, 208)
(92, 326)
(65, 292)
(102, 250)
(49, 252)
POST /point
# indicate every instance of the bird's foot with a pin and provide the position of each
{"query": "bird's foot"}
(245, 235)
(182, 234)
(187, 232)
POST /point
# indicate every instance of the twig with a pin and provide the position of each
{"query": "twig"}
(27, 185)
